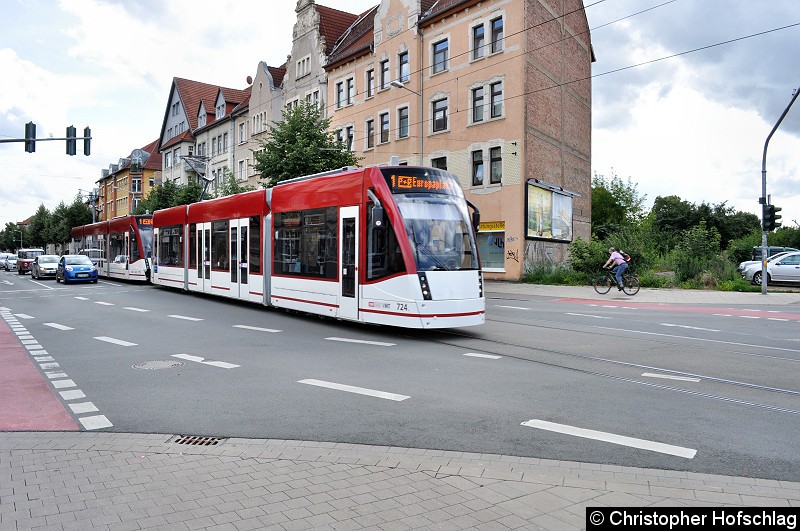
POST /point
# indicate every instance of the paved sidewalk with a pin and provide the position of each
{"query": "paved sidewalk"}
(79, 480)
(96, 480)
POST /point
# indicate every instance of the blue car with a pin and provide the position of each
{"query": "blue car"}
(76, 268)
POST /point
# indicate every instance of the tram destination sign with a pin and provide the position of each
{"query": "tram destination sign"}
(423, 182)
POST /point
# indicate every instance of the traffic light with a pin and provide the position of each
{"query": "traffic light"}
(87, 140)
(771, 217)
(30, 137)
(71, 142)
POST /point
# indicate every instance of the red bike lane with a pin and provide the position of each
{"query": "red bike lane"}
(27, 402)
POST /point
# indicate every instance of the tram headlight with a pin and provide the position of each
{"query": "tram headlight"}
(423, 284)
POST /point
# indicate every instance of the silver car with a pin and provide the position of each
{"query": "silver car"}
(44, 266)
(780, 268)
(744, 265)
(9, 262)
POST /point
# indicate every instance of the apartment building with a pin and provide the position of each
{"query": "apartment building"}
(122, 186)
(496, 91)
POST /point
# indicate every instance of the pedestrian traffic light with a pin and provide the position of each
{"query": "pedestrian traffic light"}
(30, 137)
(87, 140)
(71, 134)
(771, 217)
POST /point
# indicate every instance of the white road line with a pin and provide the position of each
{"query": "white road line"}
(82, 298)
(83, 407)
(652, 446)
(101, 303)
(58, 326)
(376, 343)
(24, 316)
(53, 365)
(487, 356)
(670, 377)
(749, 317)
(44, 358)
(357, 390)
(588, 315)
(95, 422)
(511, 307)
(256, 328)
(72, 395)
(185, 318)
(776, 319)
(61, 384)
(697, 339)
(135, 309)
(200, 359)
(690, 327)
(115, 341)
(52, 375)
(721, 315)
(40, 284)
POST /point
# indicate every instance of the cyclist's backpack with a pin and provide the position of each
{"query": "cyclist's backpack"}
(625, 256)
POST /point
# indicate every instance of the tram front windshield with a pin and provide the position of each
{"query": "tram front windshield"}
(439, 230)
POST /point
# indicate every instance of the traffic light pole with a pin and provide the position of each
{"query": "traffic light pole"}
(71, 138)
(763, 199)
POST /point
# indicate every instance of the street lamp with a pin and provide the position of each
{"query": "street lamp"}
(20, 237)
(400, 84)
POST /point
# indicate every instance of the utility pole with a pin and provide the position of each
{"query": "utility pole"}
(763, 199)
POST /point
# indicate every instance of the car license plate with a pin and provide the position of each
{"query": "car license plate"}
(82, 275)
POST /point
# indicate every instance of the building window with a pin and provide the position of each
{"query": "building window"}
(242, 171)
(402, 122)
(439, 162)
(405, 73)
(242, 138)
(315, 98)
(497, 35)
(370, 83)
(351, 90)
(349, 137)
(303, 67)
(339, 135)
(220, 110)
(477, 42)
(385, 74)
(441, 52)
(477, 168)
(495, 165)
(496, 90)
(439, 115)
(477, 104)
(491, 246)
(384, 119)
(225, 142)
(175, 108)
(370, 133)
(339, 94)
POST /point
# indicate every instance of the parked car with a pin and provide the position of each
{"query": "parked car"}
(44, 265)
(772, 251)
(76, 268)
(744, 265)
(9, 263)
(25, 259)
(3, 257)
(785, 268)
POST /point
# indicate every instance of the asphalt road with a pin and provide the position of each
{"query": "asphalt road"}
(675, 388)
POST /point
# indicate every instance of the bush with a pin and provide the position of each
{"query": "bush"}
(557, 274)
(650, 279)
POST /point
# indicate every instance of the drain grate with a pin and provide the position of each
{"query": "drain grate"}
(197, 440)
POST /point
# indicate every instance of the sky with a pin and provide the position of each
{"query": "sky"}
(676, 107)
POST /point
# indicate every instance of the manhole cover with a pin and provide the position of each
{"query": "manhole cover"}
(158, 364)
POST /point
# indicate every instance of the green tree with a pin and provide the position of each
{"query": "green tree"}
(231, 186)
(300, 144)
(37, 229)
(615, 204)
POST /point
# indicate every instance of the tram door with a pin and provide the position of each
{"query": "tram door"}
(348, 262)
(203, 257)
(238, 258)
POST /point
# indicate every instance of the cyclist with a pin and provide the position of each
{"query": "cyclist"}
(621, 265)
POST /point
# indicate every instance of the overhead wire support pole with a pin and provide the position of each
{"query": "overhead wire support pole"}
(763, 199)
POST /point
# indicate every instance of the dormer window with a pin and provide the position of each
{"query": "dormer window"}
(220, 110)
(201, 119)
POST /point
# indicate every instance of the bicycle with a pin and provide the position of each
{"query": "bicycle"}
(604, 283)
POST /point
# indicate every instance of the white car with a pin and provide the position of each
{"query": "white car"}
(744, 265)
(9, 262)
(783, 268)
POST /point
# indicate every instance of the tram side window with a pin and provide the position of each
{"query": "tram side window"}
(219, 245)
(384, 258)
(116, 244)
(193, 246)
(169, 249)
(255, 245)
(305, 243)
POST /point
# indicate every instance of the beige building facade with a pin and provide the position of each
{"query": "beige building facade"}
(497, 92)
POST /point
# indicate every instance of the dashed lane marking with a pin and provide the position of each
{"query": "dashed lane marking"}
(61, 384)
(101, 303)
(24, 316)
(82, 298)
(115, 341)
(690, 327)
(487, 356)
(256, 328)
(588, 315)
(200, 359)
(83, 407)
(670, 377)
(612, 438)
(135, 309)
(361, 341)
(58, 326)
(95, 422)
(72, 395)
(357, 390)
(185, 318)
(511, 307)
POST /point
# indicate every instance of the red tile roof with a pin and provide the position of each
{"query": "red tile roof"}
(332, 23)
(356, 40)
(192, 92)
(277, 74)
(186, 136)
(154, 161)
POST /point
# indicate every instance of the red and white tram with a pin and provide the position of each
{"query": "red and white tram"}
(383, 245)
(121, 248)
